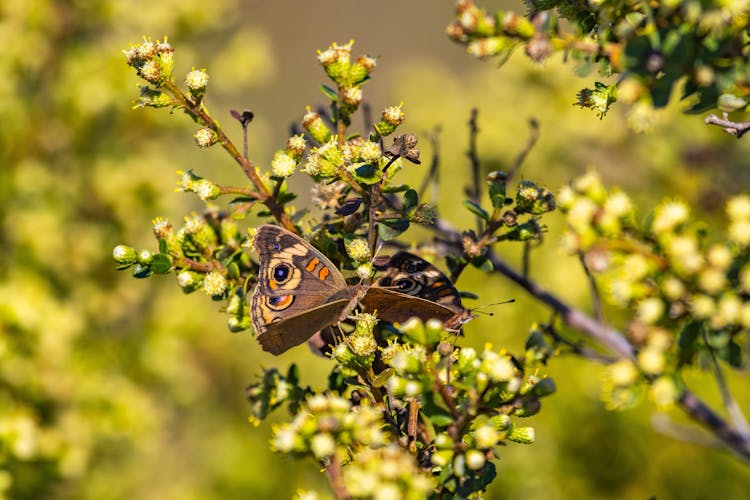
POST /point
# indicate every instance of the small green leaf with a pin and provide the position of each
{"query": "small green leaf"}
(483, 264)
(441, 419)
(141, 271)
(367, 174)
(286, 197)
(411, 200)
(382, 378)
(497, 187)
(387, 230)
(476, 209)
(329, 93)
(161, 264)
(396, 189)
(292, 375)
(163, 246)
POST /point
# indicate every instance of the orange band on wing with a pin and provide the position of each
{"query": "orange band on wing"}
(311, 265)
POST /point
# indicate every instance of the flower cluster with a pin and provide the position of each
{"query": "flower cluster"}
(348, 75)
(485, 34)
(386, 473)
(153, 60)
(328, 426)
(698, 43)
(685, 295)
(285, 161)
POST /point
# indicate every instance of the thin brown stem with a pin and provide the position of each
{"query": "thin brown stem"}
(474, 191)
(521, 157)
(596, 299)
(199, 113)
(334, 472)
(737, 129)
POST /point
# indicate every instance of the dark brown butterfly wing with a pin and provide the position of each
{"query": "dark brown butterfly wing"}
(299, 290)
(411, 275)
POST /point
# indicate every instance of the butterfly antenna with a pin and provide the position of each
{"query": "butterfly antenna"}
(477, 309)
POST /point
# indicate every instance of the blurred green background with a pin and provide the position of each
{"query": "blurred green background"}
(116, 388)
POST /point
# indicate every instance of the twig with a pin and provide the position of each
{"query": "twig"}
(577, 348)
(733, 409)
(702, 414)
(533, 137)
(433, 175)
(336, 478)
(474, 191)
(737, 129)
(596, 300)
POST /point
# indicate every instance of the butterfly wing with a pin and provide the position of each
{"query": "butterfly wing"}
(411, 286)
(299, 290)
(396, 307)
(282, 335)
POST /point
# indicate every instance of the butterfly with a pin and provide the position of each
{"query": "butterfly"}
(300, 291)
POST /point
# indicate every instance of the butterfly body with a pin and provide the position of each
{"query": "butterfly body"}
(300, 291)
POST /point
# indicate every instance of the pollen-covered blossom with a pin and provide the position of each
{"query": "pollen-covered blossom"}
(664, 392)
(618, 204)
(669, 215)
(651, 360)
(197, 79)
(650, 310)
(296, 144)
(206, 190)
(205, 137)
(739, 207)
(702, 306)
(353, 96)
(150, 71)
(622, 372)
(283, 164)
(214, 283)
(394, 115)
(370, 151)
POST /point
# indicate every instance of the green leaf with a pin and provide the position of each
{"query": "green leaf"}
(497, 187)
(286, 197)
(441, 419)
(161, 264)
(382, 378)
(163, 246)
(734, 355)
(367, 174)
(476, 209)
(396, 189)
(387, 230)
(411, 200)
(329, 93)
(483, 264)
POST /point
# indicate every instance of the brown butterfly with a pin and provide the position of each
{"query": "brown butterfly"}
(300, 291)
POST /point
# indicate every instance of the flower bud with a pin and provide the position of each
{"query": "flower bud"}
(237, 324)
(124, 255)
(475, 459)
(196, 80)
(316, 127)
(205, 137)
(523, 435)
(441, 457)
(145, 257)
(486, 436)
(322, 445)
(443, 442)
(296, 146)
